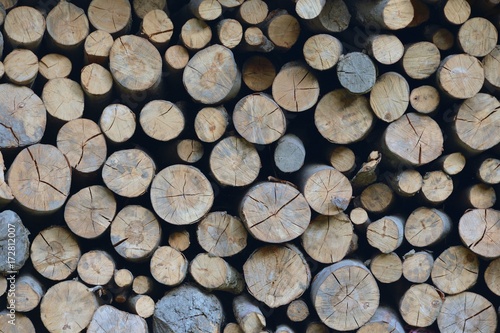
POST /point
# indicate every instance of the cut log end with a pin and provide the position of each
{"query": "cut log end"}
(178, 187)
(275, 206)
(332, 282)
(269, 264)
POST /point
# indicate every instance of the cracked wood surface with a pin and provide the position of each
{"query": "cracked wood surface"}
(135, 64)
(162, 120)
(386, 234)
(135, 233)
(295, 88)
(221, 234)
(128, 172)
(413, 139)
(212, 76)
(24, 27)
(460, 76)
(83, 144)
(214, 273)
(168, 266)
(277, 274)
(326, 190)
(343, 118)
(259, 119)
(89, 212)
(476, 123)
(40, 178)
(157, 28)
(188, 309)
(112, 16)
(427, 226)
(68, 307)
(467, 312)
(327, 239)
(97, 47)
(96, 267)
(108, 319)
(356, 72)
(421, 305)
(480, 231)
(181, 194)
(117, 122)
(274, 212)
(63, 98)
(67, 26)
(345, 295)
(455, 270)
(55, 253)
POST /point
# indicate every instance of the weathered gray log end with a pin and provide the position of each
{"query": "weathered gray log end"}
(12, 233)
(188, 309)
(108, 319)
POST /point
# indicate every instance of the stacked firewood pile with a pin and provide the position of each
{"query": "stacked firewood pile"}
(249, 166)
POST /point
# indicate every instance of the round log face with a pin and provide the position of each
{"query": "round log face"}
(181, 194)
(109, 319)
(68, 307)
(467, 312)
(96, 268)
(40, 178)
(275, 212)
(455, 270)
(83, 144)
(54, 65)
(110, 16)
(55, 253)
(322, 51)
(8, 220)
(162, 120)
(390, 96)
(350, 120)
(426, 226)
(356, 72)
(68, 106)
(460, 76)
(67, 25)
(128, 172)
(479, 230)
(277, 274)
(24, 26)
(327, 191)
(258, 73)
(135, 63)
(157, 27)
(259, 119)
(22, 116)
(327, 238)
(477, 122)
(295, 88)
(421, 305)
(168, 266)
(210, 75)
(492, 276)
(117, 122)
(235, 162)
(89, 212)
(351, 289)
(478, 37)
(415, 139)
(135, 233)
(221, 234)
(23, 323)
